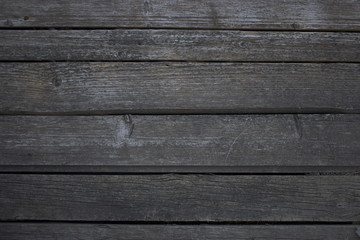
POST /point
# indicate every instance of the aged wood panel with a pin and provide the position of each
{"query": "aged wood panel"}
(43, 231)
(148, 143)
(226, 14)
(188, 45)
(179, 198)
(156, 87)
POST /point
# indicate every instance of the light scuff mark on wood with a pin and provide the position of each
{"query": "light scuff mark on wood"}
(358, 231)
(123, 130)
(231, 147)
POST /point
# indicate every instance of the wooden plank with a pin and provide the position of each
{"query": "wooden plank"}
(148, 143)
(131, 87)
(179, 45)
(208, 198)
(213, 14)
(44, 231)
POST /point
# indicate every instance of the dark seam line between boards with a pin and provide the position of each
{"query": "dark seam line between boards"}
(183, 222)
(181, 28)
(181, 113)
(308, 173)
(179, 61)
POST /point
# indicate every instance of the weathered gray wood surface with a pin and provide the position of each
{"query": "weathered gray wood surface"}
(62, 62)
(192, 141)
(187, 45)
(166, 197)
(43, 231)
(179, 87)
(229, 14)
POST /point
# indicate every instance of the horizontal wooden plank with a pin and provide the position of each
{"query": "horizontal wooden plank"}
(148, 143)
(229, 14)
(43, 231)
(157, 87)
(180, 45)
(209, 198)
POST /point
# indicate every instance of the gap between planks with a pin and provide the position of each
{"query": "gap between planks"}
(183, 223)
(180, 28)
(180, 170)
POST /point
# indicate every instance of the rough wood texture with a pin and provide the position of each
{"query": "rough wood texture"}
(179, 198)
(42, 231)
(177, 140)
(187, 45)
(179, 87)
(229, 14)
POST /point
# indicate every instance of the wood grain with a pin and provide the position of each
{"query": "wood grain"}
(212, 14)
(208, 198)
(147, 143)
(98, 88)
(50, 231)
(179, 45)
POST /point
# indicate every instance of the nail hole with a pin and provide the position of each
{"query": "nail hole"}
(340, 205)
(26, 18)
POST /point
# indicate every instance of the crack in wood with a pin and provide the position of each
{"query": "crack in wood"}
(231, 147)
